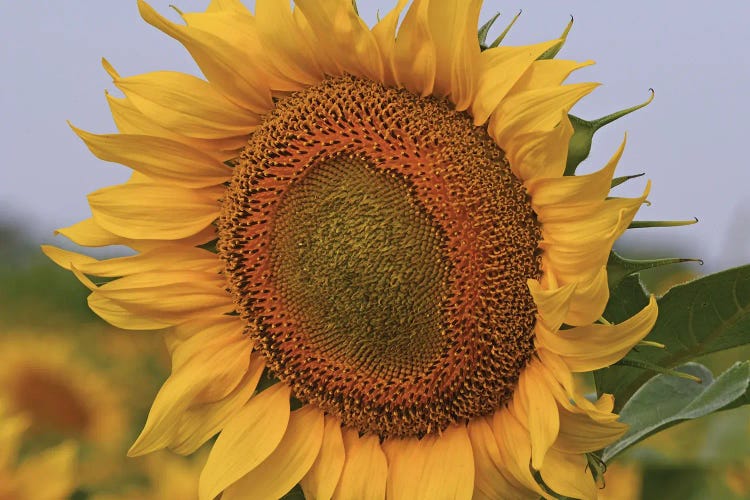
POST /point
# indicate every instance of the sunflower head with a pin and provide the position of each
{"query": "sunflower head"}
(372, 227)
(365, 291)
(42, 378)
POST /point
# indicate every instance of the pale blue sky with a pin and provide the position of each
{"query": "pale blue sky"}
(691, 141)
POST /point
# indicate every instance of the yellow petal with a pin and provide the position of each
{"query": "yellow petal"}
(576, 248)
(200, 423)
(574, 189)
(553, 365)
(543, 154)
(12, 428)
(589, 300)
(162, 212)
(414, 56)
(567, 474)
(286, 465)
(251, 435)
(533, 111)
(581, 433)
(211, 333)
(171, 296)
(547, 73)
(49, 475)
(500, 69)
(571, 403)
(164, 258)
(587, 348)
(222, 338)
(129, 120)
(515, 448)
(552, 305)
(385, 36)
(207, 375)
(453, 27)
(491, 478)
(90, 234)
(240, 29)
(289, 50)
(321, 480)
(432, 467)
(225, 65)
(186, 105)
(328, 62)
(541, 410)
(230, 5)
(365, 468)
(116, 315)
(342, 32)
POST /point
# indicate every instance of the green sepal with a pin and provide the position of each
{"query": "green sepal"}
(645, 365)
(551, 52)
(639, 224)
(295, 493)
(484, 31)
(598, 467)
(210, 246)
(706, 315)
(584, 130)
(502, 35)
(619, 180)
(618, 267)
(649, 411)
(540, 481)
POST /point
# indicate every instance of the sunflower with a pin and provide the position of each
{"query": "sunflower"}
(43, 378)
(377, 279)
(48, 475)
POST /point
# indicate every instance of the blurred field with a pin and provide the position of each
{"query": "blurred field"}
(82, 379)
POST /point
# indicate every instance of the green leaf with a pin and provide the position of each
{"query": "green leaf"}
(665, 401)
(625, 299)
(707, 315)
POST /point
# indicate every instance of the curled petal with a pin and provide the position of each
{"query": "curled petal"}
(591, 347)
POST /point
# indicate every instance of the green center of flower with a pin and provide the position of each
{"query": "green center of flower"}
(362, 265)
(378, 247)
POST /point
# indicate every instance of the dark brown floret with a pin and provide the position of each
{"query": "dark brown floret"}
(378, 247)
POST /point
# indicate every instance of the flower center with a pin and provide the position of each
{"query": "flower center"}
(52, 405)
(361, 266)
(378, 247)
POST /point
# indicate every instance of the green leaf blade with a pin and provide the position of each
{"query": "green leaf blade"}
(704, 316)
(665, 401)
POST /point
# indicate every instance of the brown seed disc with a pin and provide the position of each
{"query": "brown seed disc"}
(49, 401)
(378, 248)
